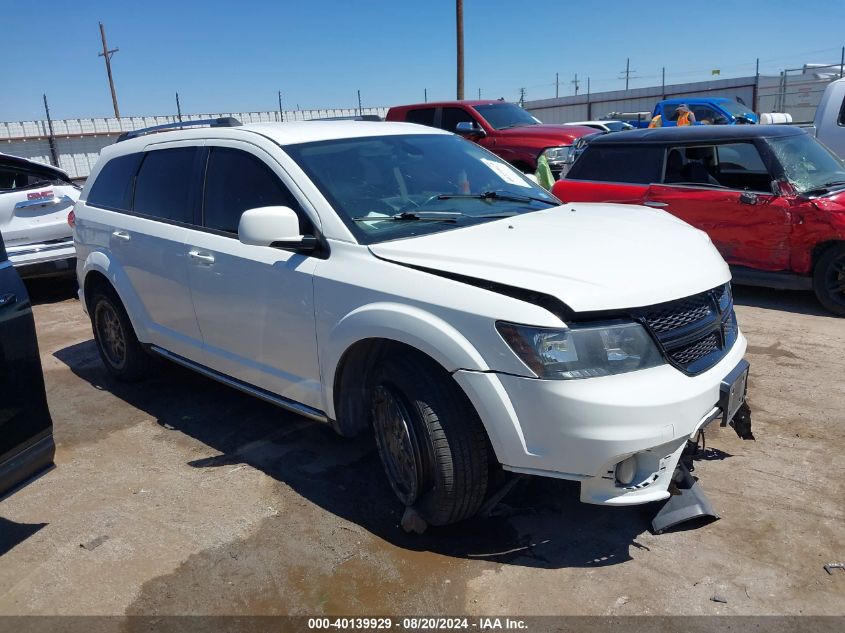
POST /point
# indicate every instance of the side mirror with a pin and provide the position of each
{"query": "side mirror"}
(469, 127)
(274, 226)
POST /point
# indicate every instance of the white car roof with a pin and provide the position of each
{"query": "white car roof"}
(286, 133)
(310, 131)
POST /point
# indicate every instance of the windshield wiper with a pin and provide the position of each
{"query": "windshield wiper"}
(431, 216)
(825, 188)
(496, 195)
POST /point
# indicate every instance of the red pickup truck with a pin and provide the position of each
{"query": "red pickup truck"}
(771, 197)
(504, 128)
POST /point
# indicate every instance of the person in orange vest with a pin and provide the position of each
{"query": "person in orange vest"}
(685, 116)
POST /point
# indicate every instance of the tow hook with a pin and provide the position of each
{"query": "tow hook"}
(687, 500)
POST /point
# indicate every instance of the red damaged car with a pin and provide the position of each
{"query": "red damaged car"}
(772, 198)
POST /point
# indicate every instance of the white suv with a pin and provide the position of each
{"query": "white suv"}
(397, 277)
(35, 200)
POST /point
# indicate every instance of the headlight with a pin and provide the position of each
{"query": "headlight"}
(582, 352)
(557, 154)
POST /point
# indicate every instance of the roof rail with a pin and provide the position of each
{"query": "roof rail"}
(226, 121)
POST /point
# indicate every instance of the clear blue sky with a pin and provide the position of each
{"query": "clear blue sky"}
(235, 56)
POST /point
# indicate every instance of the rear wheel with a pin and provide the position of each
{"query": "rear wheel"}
(431, 442)
(119, 348)
(829, 279)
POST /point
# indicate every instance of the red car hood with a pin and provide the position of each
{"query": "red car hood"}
(834, 203)
(553, 134)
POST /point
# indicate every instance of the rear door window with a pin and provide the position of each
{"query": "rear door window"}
(422, 116)
(613, 163)
(164, 183)
(236, 181)
(113, 187)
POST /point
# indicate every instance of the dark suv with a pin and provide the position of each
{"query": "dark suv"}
(26, 429)
(772, 198)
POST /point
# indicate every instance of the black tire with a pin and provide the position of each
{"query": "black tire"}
(122, 354)
(431, 442)
(829, 279)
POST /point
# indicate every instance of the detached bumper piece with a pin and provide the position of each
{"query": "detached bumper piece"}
(687, 502)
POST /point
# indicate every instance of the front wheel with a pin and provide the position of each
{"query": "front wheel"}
(431, 442)
(829, 279)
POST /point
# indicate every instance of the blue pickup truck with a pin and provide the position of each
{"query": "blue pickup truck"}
(707, 110)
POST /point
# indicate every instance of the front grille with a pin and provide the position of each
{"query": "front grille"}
(694, 333)
(688, 354)
(679, 313)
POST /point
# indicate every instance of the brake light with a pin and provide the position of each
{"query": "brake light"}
(71, 219)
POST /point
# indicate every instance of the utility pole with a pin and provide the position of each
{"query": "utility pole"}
(360, 109)
(756, 85)
(281, 112)
(575, 81)
(425, 95)
(479, 94)
(178, 108)
(628, 71)
(663, 83)
(841, 63)
(557, 85)
(589, 105)
(459, 18)
(51, 138)
(106, 54)
(521, 97)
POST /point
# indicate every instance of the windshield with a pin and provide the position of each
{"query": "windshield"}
(617, 126)
(505, 115)
(380, 185)
(736, 109)
(807, 164)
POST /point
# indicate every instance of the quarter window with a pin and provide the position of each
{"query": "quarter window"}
(164, 183)
(236, 181)
(423, 116)
(113, 187)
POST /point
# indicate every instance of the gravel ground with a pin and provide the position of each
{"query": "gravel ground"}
(195, 499)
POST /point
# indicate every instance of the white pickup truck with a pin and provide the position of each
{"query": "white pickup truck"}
(829, 123)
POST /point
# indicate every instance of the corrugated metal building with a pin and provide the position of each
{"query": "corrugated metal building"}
(78, 142)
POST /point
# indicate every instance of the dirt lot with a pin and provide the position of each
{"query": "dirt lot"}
(206, 501)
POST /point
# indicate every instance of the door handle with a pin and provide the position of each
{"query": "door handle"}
(7, 299)
(655, 203)
(206, 258)
(122, 235)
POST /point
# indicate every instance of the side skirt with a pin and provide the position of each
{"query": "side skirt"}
(780, 281)
(258, 392)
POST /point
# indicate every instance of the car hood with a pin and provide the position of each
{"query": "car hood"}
(553, 134)
(590, 256)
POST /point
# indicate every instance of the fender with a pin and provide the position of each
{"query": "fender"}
(403, 324)
(100, 262)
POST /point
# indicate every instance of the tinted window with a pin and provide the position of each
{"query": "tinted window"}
(505, 115)
(113, 187)
(236, 181)
(452, 116)
(163, 185)
(12, 178)
(740, 156)
(423, 116)
(619, 164)
(2, 250)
